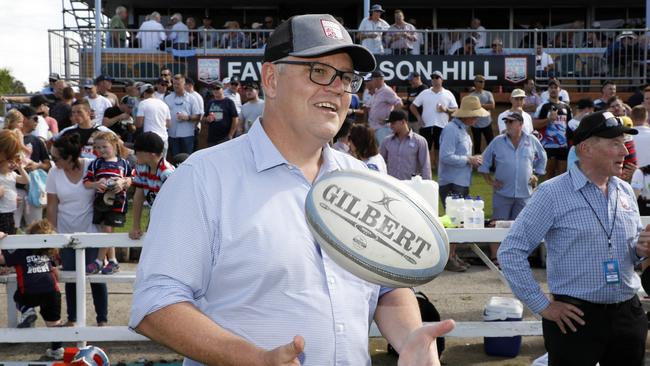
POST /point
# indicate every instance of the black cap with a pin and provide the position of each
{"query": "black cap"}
(413, 75)
(104, 77)
(149, 142)
(313, 35)
(377, 74)
(234, 80)
(515, 116)
(161, 80)
(38, 100)
(26, 110)
(216, 84)
(252, 85)
(189, 80)
(601, 124)
(397, 115)
(585, 103)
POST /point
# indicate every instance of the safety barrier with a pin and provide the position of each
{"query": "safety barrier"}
(80, 241)
(582, 55)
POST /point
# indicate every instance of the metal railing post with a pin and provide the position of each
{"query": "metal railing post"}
(66, 57)
(80, 274)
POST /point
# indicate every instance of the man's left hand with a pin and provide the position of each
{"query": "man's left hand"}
(420, 346)
(643, 244)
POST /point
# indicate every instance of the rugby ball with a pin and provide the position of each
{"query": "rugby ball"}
(377, 228)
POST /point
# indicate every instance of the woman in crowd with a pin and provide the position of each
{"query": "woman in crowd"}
(70, 210)
(364, 147)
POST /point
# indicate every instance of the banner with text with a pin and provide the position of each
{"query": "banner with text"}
(457, 70)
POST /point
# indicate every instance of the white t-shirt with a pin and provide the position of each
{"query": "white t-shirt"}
(151, 40)
(155, 113)
(250, 112)
(481, 36)
(8, 200)
(160, 96)
(429, 101)
(75, 209)
(642, 183)
(99, 105)
(374, 29)
(182, 104)
(235, 97)
(563, 96)
(542, 61)
(42, 130)
(199, 100)
(642, 143)
(377, 163)
(527, 126)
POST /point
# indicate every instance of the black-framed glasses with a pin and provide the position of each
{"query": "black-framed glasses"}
(324, 74)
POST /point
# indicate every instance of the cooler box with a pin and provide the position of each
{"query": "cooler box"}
(501, 309)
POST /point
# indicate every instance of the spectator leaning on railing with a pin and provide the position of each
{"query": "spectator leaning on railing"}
(371, 30)
(118, 27)
(179, 35)
(151, 33)
(401, 41)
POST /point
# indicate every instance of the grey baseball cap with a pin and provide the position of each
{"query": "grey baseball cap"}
(313, 35)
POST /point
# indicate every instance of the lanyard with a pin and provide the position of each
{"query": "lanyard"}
(611, 231)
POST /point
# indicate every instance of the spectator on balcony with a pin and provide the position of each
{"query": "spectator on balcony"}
(235, 38)
(151, 33)
(624, 55)
(483, 126)
(402, 40)
(417, 44)
(104, 85)
(468, 47)
(179, 35)
(608, 90)
(185, 113)
(61, 110)
(231, 90)
(478, 33)
(208, 38)
(535, 36)
(371, 30)
(118, 28)
(194, 36)
(98, 104)
(543, 63)
(533, 99)
(496, 47)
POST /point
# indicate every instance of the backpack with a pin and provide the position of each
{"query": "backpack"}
(36, 195)
(429, 313)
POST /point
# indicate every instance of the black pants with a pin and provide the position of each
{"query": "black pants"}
(613, 335)
(477, 132)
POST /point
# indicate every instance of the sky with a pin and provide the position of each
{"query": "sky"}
(24, 39)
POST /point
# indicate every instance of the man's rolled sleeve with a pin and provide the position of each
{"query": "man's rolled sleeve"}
(526, 234)
(542, 159)
(488, 158)
(180, 247)
(448, 154)
(425, 159)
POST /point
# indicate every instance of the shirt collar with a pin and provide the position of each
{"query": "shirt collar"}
(579, 179)
(265, 154)
(459, 123)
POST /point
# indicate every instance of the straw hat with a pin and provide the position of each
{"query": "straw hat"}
(470, 107)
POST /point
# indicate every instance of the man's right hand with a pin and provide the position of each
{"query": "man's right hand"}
(286, 355)
(475, 160)
(564, 315)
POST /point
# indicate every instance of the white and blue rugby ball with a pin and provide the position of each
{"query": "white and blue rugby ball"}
(377, 228)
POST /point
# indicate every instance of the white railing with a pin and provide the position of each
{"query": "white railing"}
(80, 241)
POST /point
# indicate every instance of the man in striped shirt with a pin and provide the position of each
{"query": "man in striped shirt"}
(151, 171)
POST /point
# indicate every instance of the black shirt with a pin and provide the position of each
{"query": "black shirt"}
(118, 127)
(412, 94)
(34, 271)
(224, 111)
(61, 113)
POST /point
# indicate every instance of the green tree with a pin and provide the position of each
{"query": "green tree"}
(9, 84)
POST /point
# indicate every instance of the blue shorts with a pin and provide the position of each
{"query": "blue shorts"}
(506, 208)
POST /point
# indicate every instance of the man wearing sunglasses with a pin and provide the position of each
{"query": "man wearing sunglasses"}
(589, 221)
(229, 233)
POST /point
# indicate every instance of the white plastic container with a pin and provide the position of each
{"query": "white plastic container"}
(468, 214)
(479, 213)
(426, 188)
(502, 309)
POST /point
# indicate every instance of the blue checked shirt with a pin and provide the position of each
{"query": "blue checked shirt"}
(575, 241)
(228, 234)
(514, 167)
(455, 149)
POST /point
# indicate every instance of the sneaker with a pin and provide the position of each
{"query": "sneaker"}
(462, 262)
(111, 268)
(93, 268)
(27, 318)
(69, 323)
(56, 354)
(454, 266)
(102, 324)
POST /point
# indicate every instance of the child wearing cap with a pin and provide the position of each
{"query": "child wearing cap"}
(151, 171)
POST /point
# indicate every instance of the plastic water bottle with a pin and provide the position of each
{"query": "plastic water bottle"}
(461, 209)
(479, 215)
(451, 211)
(468, 214)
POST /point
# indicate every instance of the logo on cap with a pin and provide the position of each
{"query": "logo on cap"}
(331, 29)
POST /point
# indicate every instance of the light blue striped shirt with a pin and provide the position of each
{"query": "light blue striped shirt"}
(576, 243)
(228, 234)
(514, 166)
(455, 149)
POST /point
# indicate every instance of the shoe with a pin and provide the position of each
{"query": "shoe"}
(462, 262)
(102, 324)
(454, 266)
(69, 323)
(56, 354)
(27, 318)
(111, 268)
(93, 268)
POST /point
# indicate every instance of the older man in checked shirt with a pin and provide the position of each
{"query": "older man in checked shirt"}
(590, 221)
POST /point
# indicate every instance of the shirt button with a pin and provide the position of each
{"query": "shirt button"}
(340, 328)
(330, 281)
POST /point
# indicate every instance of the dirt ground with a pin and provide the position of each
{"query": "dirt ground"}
(457, 296)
